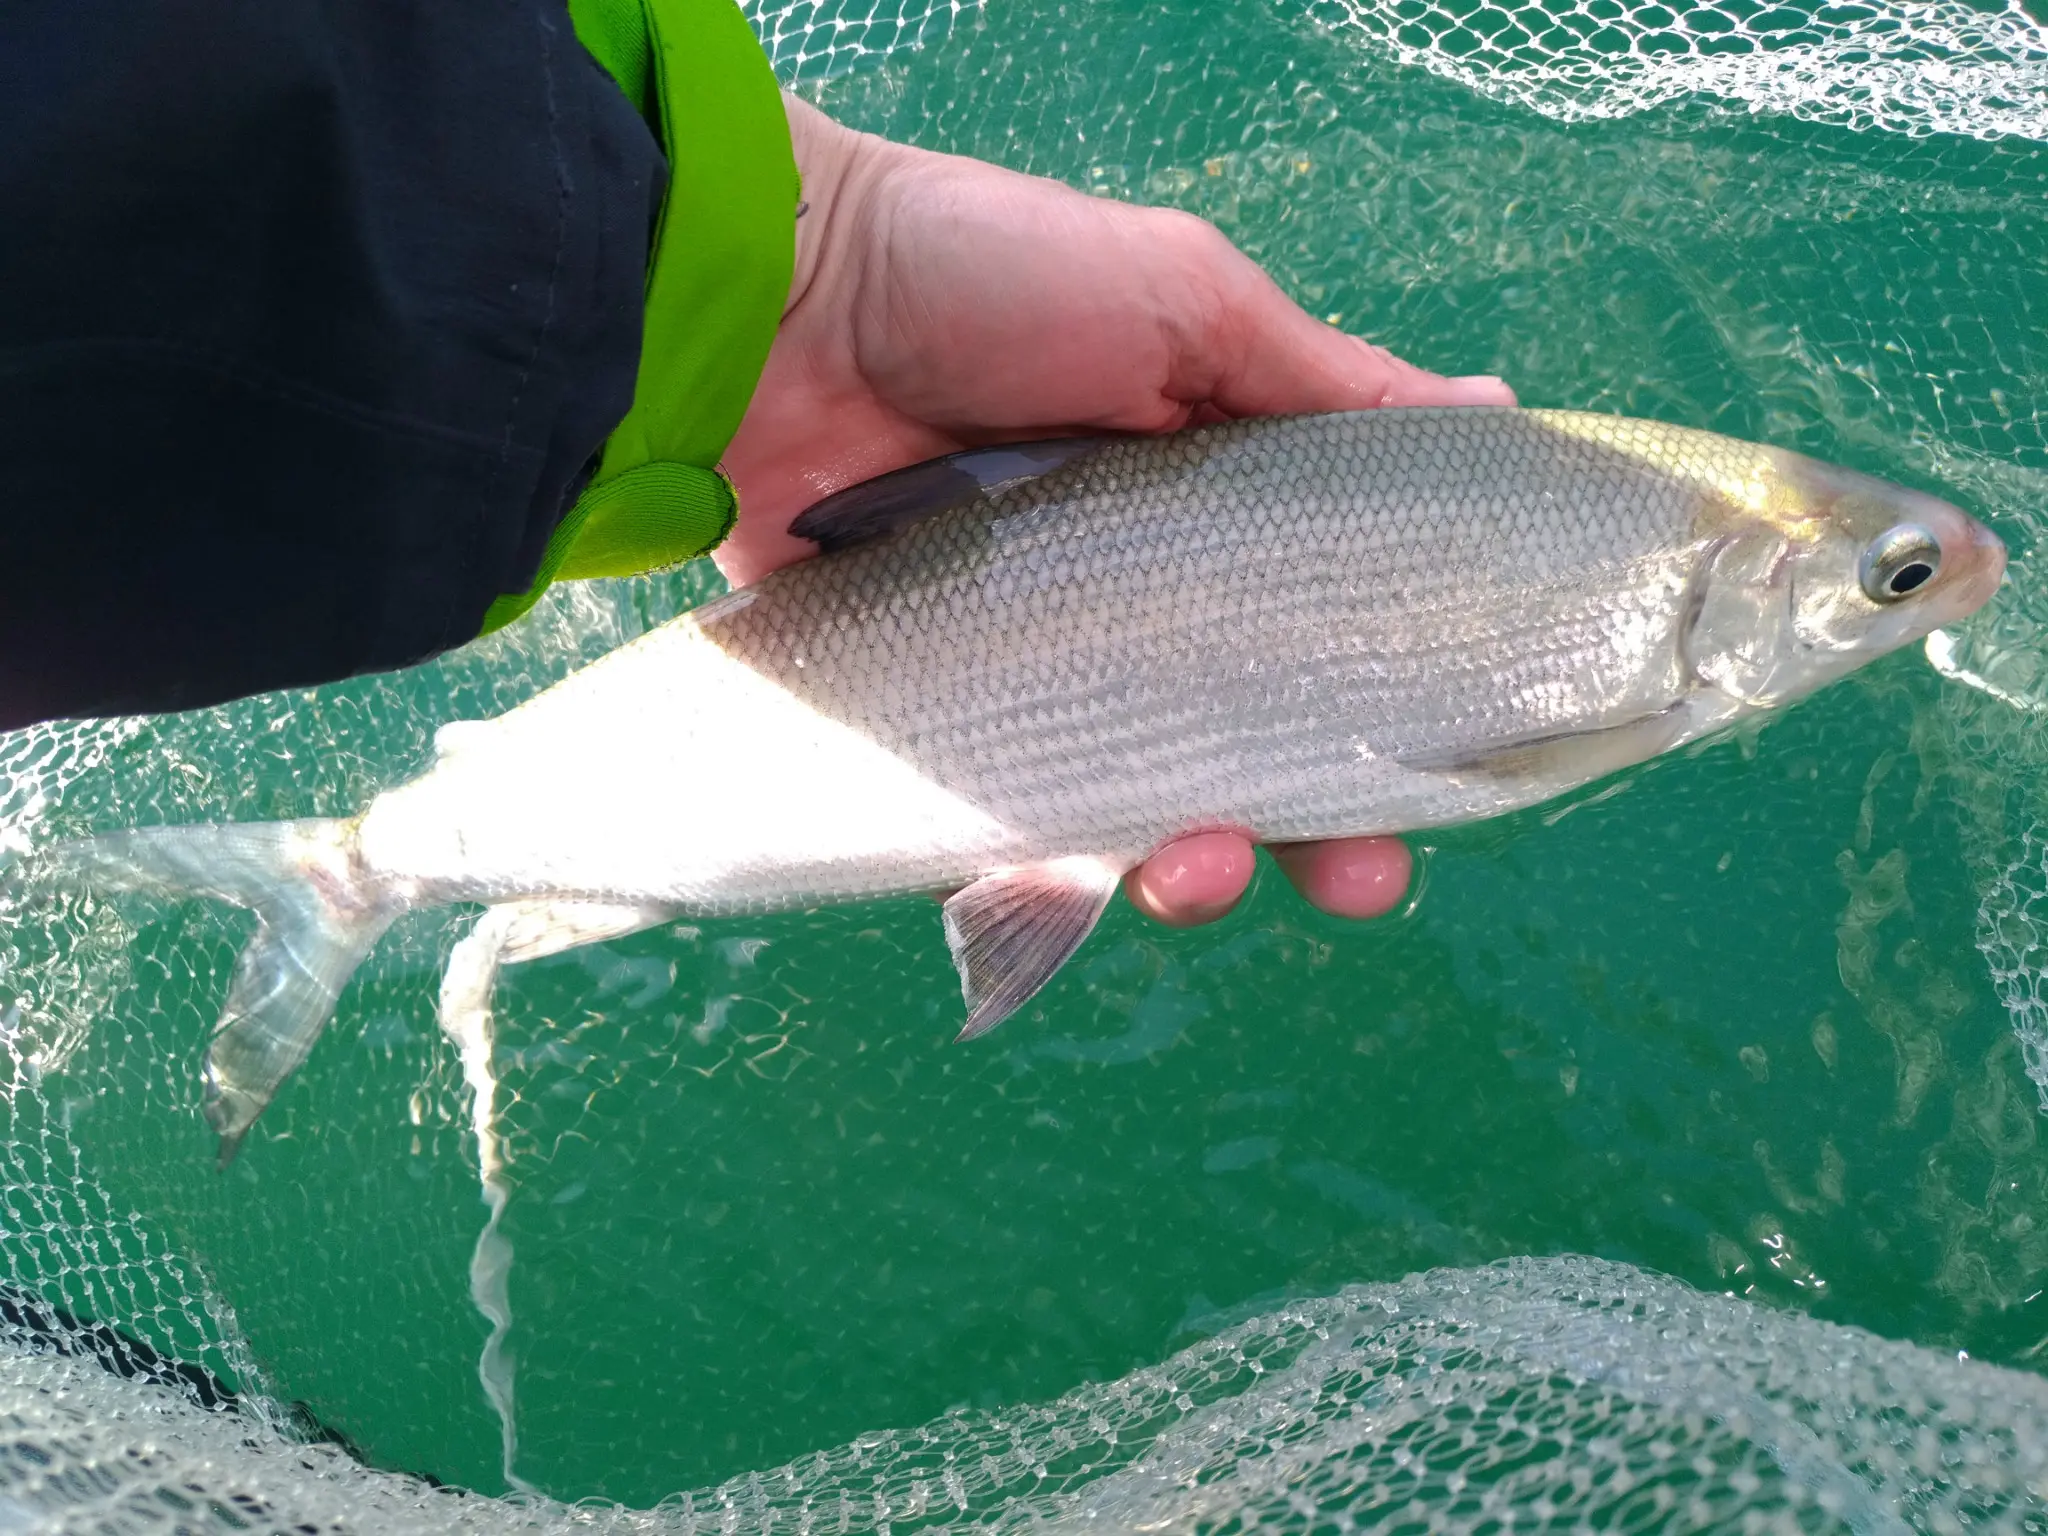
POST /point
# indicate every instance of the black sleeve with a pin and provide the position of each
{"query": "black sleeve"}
(311, 316)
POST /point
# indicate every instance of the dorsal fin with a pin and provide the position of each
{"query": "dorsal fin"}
(877, 508)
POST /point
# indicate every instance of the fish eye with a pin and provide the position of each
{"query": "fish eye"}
(1898, 562)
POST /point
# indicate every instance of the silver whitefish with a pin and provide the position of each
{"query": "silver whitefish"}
(1015, 672)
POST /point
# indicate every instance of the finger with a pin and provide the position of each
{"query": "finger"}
(1349, 876)
(1193, 879)
(1251, 351)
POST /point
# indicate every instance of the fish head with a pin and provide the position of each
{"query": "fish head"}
(1812, 570)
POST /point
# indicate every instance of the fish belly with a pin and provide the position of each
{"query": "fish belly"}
(674, 772)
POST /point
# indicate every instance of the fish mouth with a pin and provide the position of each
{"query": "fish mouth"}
(1976, 564)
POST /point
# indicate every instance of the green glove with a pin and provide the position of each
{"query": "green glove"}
(723, 250)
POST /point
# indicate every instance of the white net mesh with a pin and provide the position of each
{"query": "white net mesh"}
(811, 39)
(1538, 1394)
(1757, 269)
(1944, 67)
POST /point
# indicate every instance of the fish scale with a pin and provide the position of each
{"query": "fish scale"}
(1021, 669)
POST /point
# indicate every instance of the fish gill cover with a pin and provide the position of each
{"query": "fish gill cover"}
(1764, 1022)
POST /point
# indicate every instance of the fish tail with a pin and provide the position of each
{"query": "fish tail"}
(318, 911)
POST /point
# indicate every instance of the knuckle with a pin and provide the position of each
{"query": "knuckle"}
(1197, 237)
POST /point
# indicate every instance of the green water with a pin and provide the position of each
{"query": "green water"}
(1729, 1023)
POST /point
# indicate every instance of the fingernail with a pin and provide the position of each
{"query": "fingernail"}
(1483, 389)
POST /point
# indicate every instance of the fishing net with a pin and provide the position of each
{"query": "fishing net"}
(1538, 1394)
(808, 39)
(1820, 226)
(1941, 68)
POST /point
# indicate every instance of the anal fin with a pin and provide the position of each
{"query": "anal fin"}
(507, 933)
(533, 930)
(1010, 931)
(515, 931)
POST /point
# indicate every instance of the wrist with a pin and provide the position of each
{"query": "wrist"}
(841, 170)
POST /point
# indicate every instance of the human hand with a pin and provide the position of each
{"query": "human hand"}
(940, 303)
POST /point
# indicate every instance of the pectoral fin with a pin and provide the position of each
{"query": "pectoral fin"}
(1561, 760)
(1011, 930)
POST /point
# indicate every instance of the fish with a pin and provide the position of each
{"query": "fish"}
(1015, 672)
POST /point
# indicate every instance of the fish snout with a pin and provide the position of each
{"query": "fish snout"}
(1973, 563)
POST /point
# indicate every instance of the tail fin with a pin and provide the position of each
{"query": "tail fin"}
(317, 914)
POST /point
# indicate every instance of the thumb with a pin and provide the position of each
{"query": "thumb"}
(1252, 351)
